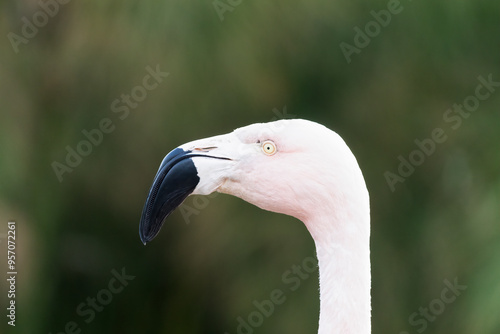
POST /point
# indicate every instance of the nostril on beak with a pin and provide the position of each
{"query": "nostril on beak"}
(204, 149)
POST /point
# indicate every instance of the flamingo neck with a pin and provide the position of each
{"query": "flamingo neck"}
(344, 272)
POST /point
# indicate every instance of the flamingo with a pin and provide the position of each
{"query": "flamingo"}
(294, 167)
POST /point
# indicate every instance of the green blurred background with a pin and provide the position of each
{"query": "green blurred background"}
(204, 271)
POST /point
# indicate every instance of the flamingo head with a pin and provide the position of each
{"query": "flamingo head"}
(296, 167)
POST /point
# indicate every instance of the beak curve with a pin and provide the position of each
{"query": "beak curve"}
(175, 180)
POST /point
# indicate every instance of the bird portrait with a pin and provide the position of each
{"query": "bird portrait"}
(295, 167)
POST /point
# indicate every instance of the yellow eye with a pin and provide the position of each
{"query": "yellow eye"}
(269, 147)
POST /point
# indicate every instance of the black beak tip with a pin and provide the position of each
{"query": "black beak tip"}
(144, 240)
(176, 179)
(145, 231)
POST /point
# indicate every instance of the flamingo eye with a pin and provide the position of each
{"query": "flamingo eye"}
(269, 147)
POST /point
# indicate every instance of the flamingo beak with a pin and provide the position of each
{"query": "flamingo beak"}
(177, 178)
